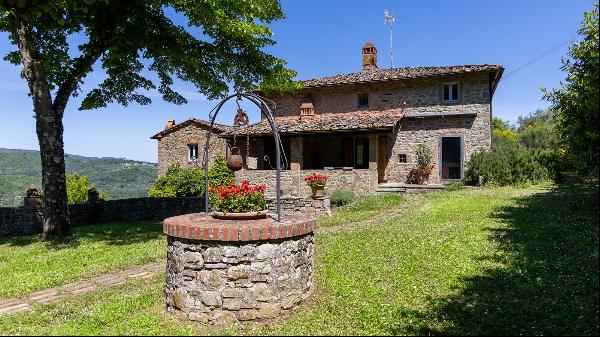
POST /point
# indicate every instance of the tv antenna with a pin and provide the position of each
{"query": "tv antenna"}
(388, 17)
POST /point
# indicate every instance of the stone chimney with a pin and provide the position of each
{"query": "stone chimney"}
(369, 56)
(170, 124)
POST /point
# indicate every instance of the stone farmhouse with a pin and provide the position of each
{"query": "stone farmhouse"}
(360, 129)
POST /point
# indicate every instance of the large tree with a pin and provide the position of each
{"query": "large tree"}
(219, 46)
(576, 101)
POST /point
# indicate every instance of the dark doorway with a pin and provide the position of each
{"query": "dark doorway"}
(451, 157)
(269, 158)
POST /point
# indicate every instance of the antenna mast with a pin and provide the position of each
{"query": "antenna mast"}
(388, 18)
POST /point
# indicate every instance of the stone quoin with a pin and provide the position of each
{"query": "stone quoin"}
(227, 271)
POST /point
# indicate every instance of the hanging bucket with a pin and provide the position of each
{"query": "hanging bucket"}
(235, 162)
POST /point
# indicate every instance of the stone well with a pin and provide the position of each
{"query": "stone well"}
(225, 271)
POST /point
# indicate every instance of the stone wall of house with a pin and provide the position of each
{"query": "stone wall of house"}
(173, 147)
(16, 221)
(475, 132)
(419, 94)
(361, 181)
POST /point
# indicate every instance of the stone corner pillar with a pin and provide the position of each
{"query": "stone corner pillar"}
(373, 149)
(297, 150)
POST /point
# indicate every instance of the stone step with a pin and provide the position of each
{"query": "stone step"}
(390, 188)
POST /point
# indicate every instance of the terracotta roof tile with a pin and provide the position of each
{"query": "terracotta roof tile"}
(350, 121)
(377, 75)
(217, 127)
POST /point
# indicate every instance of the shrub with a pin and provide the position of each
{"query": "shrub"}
(219, 174)
(342, 197)
(234, 198)
(178, 182)
(424, 155)
(512, 165)
(77, 189)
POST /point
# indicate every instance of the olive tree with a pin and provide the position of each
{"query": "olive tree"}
(576, 100)
(220, 45)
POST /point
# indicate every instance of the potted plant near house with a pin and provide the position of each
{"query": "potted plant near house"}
(93, 195)
(420, 174)
(317, 184)
(33, 198)
(238, 202)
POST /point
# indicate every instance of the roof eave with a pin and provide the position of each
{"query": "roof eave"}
(398, 79)
(313, 132)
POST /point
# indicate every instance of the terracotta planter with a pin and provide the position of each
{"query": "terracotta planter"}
(34, 202)
(93, 196)
(424, 179)
(240, 216)
(318, 191)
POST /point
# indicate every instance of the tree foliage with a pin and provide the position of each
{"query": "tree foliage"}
(141, 48)
(538, 130)
(77, 189)
(132, 38)
(576, 100)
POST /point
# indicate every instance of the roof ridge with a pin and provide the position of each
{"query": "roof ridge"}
(217, 126)
(385, 74)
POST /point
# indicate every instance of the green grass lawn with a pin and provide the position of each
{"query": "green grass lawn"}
(28, 264)
(363, 208)
(472, 261)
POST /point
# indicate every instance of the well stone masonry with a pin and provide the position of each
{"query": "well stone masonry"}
(226, 271)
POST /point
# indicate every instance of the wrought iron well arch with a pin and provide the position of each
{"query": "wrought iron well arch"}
(266, 107)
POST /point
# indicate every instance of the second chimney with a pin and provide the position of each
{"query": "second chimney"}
(170, 124)
(369, 56)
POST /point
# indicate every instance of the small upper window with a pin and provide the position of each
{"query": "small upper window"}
(363, 100)
(450, 92)
(192, 152)
(402, 158)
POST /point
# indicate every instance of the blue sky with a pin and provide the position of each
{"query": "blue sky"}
(320, 38)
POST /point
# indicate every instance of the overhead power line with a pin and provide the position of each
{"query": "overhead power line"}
(541, 56)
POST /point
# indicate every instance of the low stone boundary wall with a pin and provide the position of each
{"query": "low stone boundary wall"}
(17, 221)
(360, 181)
(306, 205)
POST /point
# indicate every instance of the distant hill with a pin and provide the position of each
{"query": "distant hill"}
(117, 177)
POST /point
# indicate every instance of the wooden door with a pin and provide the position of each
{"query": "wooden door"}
(382, 159)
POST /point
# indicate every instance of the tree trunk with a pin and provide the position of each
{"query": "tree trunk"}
(50, 135)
